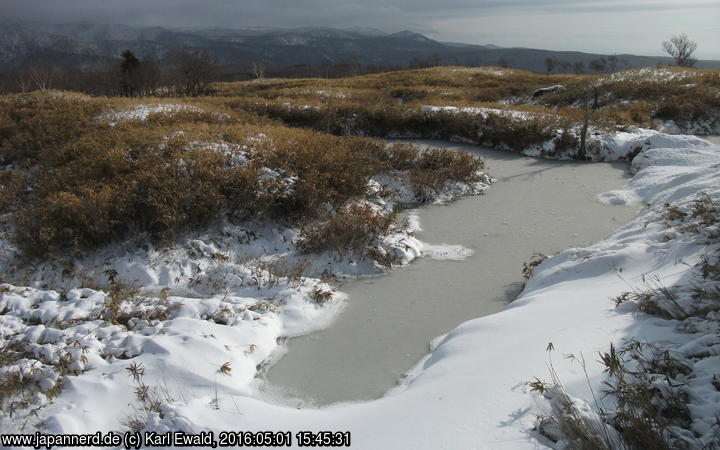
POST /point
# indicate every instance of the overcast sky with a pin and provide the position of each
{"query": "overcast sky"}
(598, 26)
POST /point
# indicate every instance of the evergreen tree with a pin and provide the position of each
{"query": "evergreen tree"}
(128, 67)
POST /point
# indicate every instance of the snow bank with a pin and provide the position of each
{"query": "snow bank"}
(703, 127)
(605, 145)
(403, 192)
(602, 144)
(624, 145)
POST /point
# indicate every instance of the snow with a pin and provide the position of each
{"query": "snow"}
(46, 94)
(143, 110)
(470, 392)
(616, 145)
(483, 70)
(482, 112)
(622, 145)
(227, 297)
(326, 94)
(404, 193)
(704, 127)
(648, 74)
(545, 90)
(297, 107)
(603, 144)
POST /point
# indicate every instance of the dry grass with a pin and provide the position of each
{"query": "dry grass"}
(72, 180)
(16, 387)
(650, 410)
(382, 103)
(353, 229)
(148, 399)
(633, 98)
(529, 267)
(467, 85)
(655, 385)
(28, 378)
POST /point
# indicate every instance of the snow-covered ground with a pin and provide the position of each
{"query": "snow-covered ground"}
(648, 74)
(482, 112)
(483, 70)
(200, 352)
(198, 318)
(471, 392)
(142, 111)
(624, 145)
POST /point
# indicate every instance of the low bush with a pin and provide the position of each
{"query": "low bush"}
(12, 188)
(35, 124)
(354, 229)
(690, 104)
(650, 409)
(434, 169)
(89, 182)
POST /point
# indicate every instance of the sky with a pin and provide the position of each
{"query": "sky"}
(596, 26)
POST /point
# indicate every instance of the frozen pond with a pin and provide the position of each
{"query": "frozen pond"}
(713, 139)
(535, 205)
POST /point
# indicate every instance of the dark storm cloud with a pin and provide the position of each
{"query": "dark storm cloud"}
(607, 26)
(392, 14)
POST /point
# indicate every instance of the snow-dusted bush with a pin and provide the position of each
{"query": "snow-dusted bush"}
(73, 179)
(355, 229)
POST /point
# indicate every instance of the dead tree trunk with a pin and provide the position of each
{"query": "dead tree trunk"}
(329, 112)
(582, 153)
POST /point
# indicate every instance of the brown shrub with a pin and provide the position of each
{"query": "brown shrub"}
(12, 187)
(99, 183)
(38, 124)
(435, 167)
(499, 130)
(352, 229)
(63, 219)
(689, 104)
(102, 186)
(329, 170)
(398, 156)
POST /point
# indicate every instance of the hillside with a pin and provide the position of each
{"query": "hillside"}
(87, 44)
(501, 108)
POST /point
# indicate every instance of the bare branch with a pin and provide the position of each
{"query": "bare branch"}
(681, 48)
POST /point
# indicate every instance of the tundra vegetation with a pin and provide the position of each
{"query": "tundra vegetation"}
(495, 106)
(83, 176)
(81, 172)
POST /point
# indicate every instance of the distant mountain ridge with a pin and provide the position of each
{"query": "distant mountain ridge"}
(87, 44)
